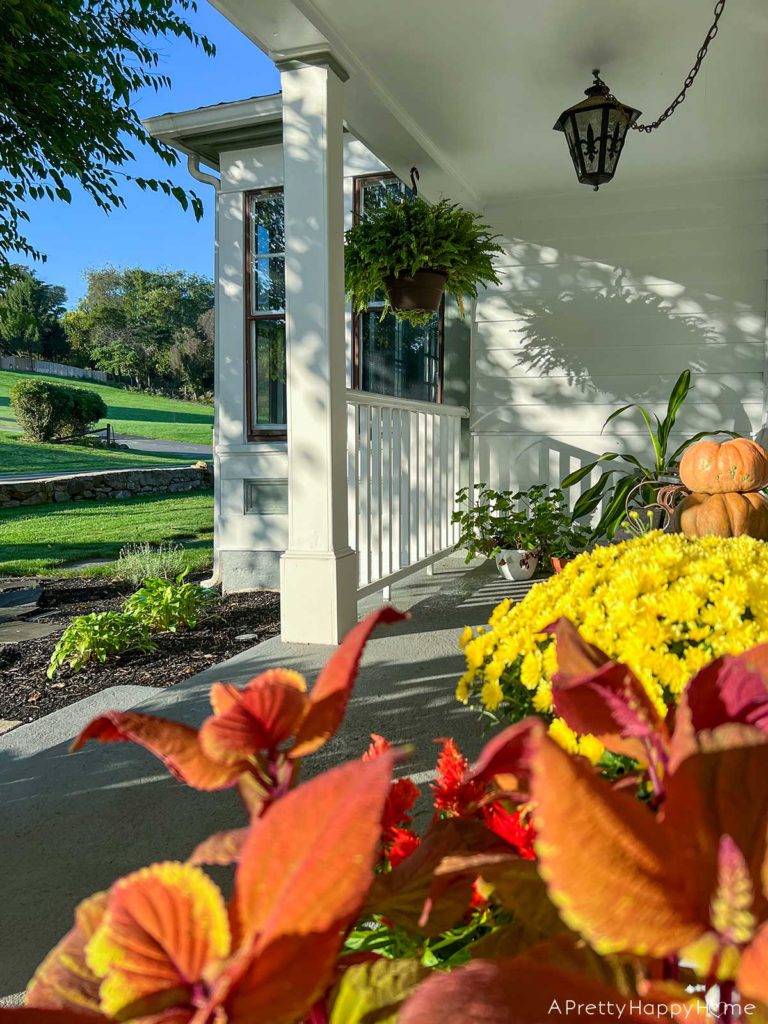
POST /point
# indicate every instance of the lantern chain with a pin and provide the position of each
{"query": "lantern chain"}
(689, 80)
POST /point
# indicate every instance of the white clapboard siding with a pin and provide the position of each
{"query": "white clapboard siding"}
(605, 302)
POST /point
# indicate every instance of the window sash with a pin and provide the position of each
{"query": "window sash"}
(264, 322)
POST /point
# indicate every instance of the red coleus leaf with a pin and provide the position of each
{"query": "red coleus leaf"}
(596, 695)
(507, 757)
(331, 692)
(175, 744)
(64, 980)
(752, 979)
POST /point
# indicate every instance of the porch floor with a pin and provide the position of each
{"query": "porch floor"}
(74, 823)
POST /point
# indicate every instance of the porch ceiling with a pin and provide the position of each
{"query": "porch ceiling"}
(479, 86)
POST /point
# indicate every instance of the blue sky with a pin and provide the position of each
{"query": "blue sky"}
(153, 231)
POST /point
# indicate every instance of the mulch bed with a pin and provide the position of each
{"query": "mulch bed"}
(26, 694)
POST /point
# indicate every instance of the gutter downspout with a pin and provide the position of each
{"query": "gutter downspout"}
(193, 166)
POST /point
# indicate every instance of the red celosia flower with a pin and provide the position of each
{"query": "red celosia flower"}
(453, 796)
(512, 827)
(397, 841)
(401, 845)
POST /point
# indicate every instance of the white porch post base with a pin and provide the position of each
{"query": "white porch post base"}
(318, 596)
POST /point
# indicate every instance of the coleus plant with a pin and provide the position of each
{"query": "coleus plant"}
(640, 889)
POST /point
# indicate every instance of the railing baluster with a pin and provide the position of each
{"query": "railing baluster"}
(364, 532)
(403, 470)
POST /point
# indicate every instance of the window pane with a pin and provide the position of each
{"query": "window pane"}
(374, 192)
(267, 224)
(268, 284)
(267, 373)
(399, 359)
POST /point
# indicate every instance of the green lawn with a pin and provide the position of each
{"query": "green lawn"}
(17, 456)
(130, 412)
(41, 539)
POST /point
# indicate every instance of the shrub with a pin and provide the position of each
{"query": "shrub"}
(96, 637)
(46, 411)
(139, 562)
(169, 604)
(664, 604)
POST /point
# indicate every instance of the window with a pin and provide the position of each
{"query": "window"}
(265, 313)
(391, 357)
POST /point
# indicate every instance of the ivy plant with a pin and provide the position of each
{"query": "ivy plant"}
(406, 235)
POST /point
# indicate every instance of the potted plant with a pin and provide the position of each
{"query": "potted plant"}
(561, 536)
(411, 251)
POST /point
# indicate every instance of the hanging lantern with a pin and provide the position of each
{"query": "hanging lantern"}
(595, 130)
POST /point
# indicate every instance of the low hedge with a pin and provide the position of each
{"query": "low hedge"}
(46, 411)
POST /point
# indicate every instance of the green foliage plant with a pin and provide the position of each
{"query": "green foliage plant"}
(535, 520)
(407, 235)
(46, 411)
(635, 481)
(139, 562)
(169, 605)
(97, 637)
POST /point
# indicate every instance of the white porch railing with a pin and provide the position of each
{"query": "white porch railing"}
(403, 471)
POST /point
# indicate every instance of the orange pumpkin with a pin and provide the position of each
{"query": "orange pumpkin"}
(723, 515)
(715, 467)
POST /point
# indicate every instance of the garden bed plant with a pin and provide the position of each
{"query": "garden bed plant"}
(538, 879)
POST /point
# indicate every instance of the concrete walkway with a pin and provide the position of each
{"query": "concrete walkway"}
(74, 823)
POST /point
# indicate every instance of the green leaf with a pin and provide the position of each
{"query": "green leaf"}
(654, 439)
(615, 413)
(374, 992)
(591, 498)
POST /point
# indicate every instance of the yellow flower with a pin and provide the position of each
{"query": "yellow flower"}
(564, 736)
(491, 695)
(591, 748)
(663, 604)
(465, 637)
(462, 688)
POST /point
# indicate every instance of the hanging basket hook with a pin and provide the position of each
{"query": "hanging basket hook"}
(414, 178)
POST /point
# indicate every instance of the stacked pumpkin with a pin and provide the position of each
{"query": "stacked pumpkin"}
(725, 479)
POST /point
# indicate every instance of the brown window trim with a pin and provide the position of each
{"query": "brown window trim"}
(357, 184)
(269, 433)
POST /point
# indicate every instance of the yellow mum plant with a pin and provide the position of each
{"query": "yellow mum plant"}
(665, 605)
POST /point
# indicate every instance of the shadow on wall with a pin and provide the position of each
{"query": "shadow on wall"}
(565, 340)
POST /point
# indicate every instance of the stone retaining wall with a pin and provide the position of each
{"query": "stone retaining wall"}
(111, 483)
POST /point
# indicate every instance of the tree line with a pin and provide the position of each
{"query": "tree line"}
(151, 328)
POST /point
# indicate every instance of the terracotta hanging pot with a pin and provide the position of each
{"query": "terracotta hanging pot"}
(423, 291)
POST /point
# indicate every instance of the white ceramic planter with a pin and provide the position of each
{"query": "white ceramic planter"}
(516, 565)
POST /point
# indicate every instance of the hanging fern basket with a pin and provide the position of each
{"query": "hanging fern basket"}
(421, 293)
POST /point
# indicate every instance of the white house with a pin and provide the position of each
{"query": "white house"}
(340, 441)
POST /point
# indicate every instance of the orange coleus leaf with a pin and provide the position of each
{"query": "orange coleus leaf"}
(165, 931)
(261, 717)
(304, 872)
(588, 829)
(332, 689)
(604, 698)
(222, 848)
(63, 980)
(175, 744)
(518, 990)
(752, 978)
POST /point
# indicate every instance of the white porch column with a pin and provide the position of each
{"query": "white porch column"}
(318, 602)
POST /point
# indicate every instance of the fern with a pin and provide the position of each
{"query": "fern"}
(405, 236)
